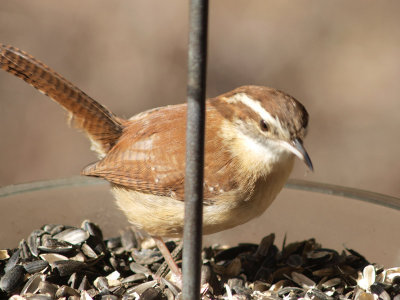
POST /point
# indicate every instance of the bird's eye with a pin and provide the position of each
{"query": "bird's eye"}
(264, 126)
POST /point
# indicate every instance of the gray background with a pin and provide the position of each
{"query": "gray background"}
(339, 58)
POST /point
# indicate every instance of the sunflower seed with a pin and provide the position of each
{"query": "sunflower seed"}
(331, 283)
(32, 285)
(92, 228)
(67, 267)
(52, 257)
(54, 246)
(138, 268)
(25, 251)
(146, 256)
(34, 241)
(12, 262)
(12, 278)
(66, 291)
(295, 261)
(140, 277)
(101, 283)
(265, 244)
(303, 280)
(86, 296)
(74, 236)
(36, 266)
(139, 289)
(316, 294)
(4, 254)
(128, 239)
(47, 288)
(88, 251)
(151, 293)
(57, 229)
(84, 285)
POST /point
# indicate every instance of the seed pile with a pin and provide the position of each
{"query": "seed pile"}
(65, 262)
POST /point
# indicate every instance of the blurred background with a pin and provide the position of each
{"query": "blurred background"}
(339, 58)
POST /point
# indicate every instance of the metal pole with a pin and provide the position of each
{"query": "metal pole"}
(192, 235)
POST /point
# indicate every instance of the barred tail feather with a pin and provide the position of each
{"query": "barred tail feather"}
(100, 124)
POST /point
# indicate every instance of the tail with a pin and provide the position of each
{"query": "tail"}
(100, 124)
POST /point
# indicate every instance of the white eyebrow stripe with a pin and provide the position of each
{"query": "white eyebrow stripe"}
(256, 107)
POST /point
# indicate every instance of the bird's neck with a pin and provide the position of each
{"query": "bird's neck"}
(255, 159)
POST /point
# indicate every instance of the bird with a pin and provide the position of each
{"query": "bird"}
(252, 136)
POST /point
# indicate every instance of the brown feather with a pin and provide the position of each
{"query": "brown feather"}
(148, 157)
(102, 126)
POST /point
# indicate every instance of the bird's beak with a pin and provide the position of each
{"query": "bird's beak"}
(297, 148)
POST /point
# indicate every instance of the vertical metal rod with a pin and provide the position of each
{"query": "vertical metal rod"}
(195, 127)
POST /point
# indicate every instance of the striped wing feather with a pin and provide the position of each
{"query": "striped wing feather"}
(148, 157)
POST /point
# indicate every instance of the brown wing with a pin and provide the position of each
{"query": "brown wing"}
(147, 157)
(150, 156)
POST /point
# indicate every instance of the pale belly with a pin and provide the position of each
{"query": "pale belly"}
(162, 216)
